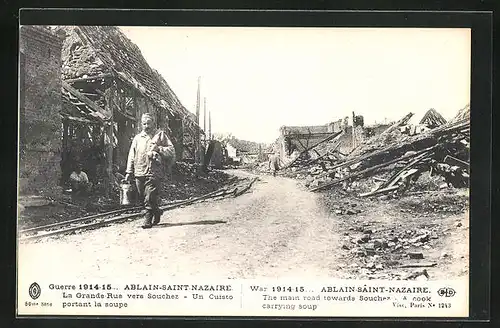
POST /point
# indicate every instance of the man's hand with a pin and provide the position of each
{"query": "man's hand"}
(155, 156)
(128, 177)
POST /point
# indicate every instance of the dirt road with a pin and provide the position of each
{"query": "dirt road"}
(279, 229)
(276, 230)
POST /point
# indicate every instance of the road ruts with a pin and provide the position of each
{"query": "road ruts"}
(276, 230)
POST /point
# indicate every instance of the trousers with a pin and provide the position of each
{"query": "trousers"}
(147, 190)
(81, 188)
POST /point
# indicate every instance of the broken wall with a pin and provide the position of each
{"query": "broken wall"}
(337, 126)
(40, 131)
(78, 58)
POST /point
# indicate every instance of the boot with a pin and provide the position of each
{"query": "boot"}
(147, 219)
(157, 216)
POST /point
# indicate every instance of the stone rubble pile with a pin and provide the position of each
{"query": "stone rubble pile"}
(379, 250)
(392, 162)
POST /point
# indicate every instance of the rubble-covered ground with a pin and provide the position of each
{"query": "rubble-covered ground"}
(423, 235)
(276, 230)
(401, 200)
(184, 182)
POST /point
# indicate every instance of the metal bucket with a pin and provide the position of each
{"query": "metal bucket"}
(127, 193)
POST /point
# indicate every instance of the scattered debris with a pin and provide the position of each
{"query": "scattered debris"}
(417, 274)
(184, 182)
(432, 119)
(391, 163)
(419, 265)
(415, 255)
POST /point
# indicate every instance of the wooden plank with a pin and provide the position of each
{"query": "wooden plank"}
(432, 135)
(332, 136)
(332, 150)
(65, 138)
(245, 189)
(85, 218)
(168, 206)
(456, 162)
(300, 142)
(314, 160)
(307, 135)
(403, 175)
(119, 110)
(79, 119)
(394, 178)
(419, 265)
(105, 115)
(361, 158)
(402, 121)
(379, 191)
(373, 168)
(86, 94)
(88, 78)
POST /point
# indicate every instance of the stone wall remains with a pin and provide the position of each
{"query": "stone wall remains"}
(40, 130)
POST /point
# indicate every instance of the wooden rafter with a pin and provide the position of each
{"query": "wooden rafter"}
(81, 108)
(79, 119)
(118, 108)
(332, 136)
(103, 114)
(88, 78)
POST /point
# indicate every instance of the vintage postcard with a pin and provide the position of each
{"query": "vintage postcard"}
(243, 171)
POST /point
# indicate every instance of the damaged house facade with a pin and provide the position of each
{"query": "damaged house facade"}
(431, 119)
(106, 86)
(308, 139)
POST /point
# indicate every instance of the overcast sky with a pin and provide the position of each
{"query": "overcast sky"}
(258, 79)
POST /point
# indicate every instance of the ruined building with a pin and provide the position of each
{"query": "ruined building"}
(299, 138)
(39, 106)
(82, 93)
(432, 119)
(107, 85)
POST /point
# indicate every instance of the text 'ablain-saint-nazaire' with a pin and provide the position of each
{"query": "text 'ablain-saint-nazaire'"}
(211, 288)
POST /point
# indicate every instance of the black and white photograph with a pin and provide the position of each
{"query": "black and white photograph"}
(157, 154)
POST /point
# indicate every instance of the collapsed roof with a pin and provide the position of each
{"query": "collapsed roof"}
(462, 114)
(304, 129)
(99, 50)
(432, 119)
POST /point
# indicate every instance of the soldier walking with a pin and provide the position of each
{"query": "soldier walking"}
(148, 153)
(274, 163)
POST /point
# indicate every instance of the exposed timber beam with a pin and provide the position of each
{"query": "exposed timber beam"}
(330, 137)
(373, 168)
(89, 78)
(79, 119)
(86, 101)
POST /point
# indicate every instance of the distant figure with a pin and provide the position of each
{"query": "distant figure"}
(148, 153)
(274, 163)
(80, 184)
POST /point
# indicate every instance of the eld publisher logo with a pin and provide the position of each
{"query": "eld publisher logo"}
(446, 292)
(34, 290)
